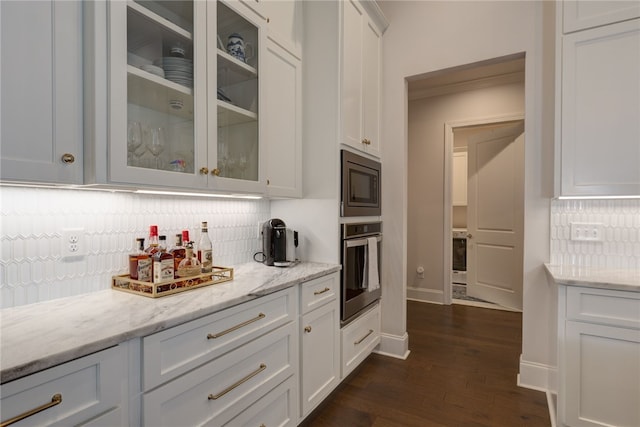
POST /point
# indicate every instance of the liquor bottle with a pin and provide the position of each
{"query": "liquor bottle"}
(162, 245)
(205, 249)
(140, 263)
(153, 240)
(178, 252)
(162, 264)
(190, 265)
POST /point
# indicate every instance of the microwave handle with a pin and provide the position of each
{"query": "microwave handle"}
(359, 242)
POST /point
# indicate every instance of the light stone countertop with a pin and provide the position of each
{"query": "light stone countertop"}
(604, 278)
(38, 336)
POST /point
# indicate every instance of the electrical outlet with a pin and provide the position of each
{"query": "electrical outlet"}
(586, 232)
(73, 244)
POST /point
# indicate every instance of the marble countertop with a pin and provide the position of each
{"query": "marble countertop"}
(605, 278)
(41, 335)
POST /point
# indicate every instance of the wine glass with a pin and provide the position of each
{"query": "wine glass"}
(157, 144)
(134, 141)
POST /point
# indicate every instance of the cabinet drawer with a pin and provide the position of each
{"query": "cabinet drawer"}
(318, 292)
(277, 408)
(230, 383)
(88, 386)
(175, 351)
(359, 338)
(607, 307)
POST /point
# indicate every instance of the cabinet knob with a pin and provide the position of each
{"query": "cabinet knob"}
(68, 158)
(215, 172)
(366, 142)
(307, 329)
(204, 171)
(469, 236)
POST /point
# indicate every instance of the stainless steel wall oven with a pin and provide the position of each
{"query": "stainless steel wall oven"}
(360, 263)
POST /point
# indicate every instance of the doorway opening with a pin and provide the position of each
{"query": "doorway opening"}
(482, 96)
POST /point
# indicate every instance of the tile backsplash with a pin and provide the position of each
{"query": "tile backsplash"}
(32, 268)
(620, 245)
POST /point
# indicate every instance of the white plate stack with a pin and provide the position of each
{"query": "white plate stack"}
(177, 70)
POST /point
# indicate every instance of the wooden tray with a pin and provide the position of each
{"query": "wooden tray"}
(155, 290)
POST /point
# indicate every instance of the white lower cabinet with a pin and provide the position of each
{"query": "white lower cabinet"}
(86, 391)
(599, 357)
(359, 338)
(225, 366)
(226, 386)
(319, 341)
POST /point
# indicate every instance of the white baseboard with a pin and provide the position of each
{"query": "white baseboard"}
(552, 400)
(538, 376)
(425, 295)
(393, 346)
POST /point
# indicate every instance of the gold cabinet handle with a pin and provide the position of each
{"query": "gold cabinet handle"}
(215, 172)
(234, 328)
(364, 337)
(322, 291)
(238, 383)
(307, 329)
(55, 400)
(204, 171)
(68, 158)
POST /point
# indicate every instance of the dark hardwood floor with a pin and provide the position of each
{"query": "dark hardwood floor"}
(461, 372)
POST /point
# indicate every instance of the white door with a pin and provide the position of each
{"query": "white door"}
(495, 212)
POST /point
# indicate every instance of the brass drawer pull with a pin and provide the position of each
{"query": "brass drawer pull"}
(364, 337)
(322, 291)
(233, 328)
(204, 171)
(239, 383)
(307, 329)
(55, 400)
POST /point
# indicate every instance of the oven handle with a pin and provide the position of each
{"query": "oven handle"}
(359, 242)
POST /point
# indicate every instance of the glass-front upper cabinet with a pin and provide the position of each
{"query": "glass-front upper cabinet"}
(158, 82)
(237, 64)
(184, 86)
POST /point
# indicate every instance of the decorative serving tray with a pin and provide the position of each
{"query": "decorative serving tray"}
(169, 287)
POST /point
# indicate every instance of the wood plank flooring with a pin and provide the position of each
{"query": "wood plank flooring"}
(461, 372)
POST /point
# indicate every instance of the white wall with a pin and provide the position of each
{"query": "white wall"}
(427, 36)
(426, 142)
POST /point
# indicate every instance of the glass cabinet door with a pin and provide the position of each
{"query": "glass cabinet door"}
(237, 64)
(158, 92)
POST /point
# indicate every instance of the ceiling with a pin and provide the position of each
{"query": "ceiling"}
(478, 75)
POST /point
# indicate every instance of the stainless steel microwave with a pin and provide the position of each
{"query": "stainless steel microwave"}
(361, 181)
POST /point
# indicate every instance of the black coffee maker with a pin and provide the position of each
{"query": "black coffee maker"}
(278, 243)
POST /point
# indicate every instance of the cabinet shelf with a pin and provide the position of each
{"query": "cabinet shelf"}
(232, 71)
(229, 115)
(154, 92)
(157, 20)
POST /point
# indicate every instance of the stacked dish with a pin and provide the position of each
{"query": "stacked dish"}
(177, 70)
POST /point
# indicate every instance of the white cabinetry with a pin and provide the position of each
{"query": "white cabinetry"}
(227, 365)
(597, 98)
(583, 14)
(83, 392)
(283, 120)
(361, 53)
(359, 338)
(170, 75)
(599, 357)
(41, 120)
(459, 188)
(319, 341)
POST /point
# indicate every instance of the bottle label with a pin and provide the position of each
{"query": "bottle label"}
(144, 269)
(206, 258)
(163, 270)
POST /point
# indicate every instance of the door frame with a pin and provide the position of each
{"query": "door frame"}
(449, 127)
